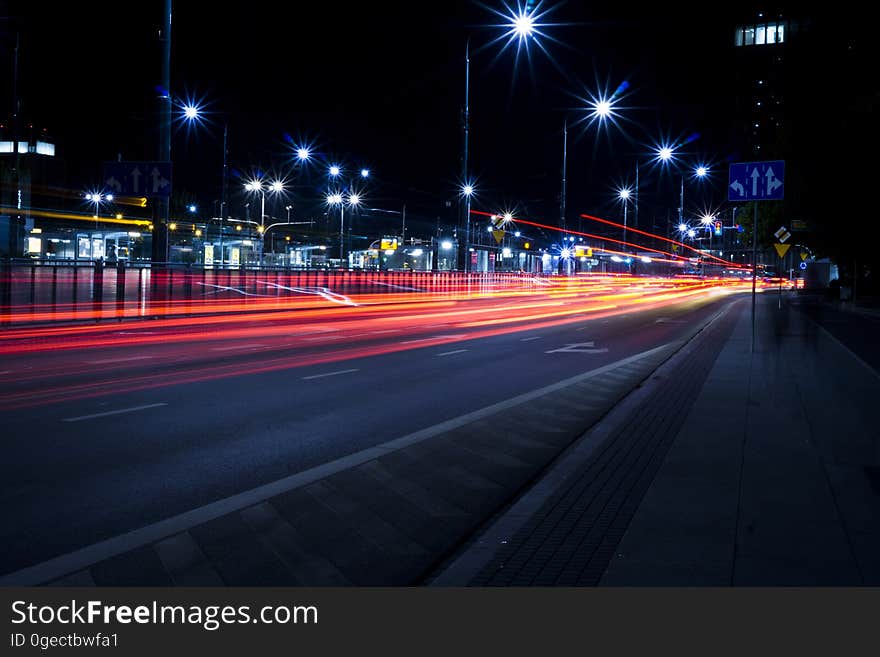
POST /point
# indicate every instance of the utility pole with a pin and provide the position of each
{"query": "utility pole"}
(160, 229)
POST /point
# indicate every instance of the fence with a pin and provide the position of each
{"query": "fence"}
(33, 290)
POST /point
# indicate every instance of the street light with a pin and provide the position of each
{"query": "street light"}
(256, 185)
(624, 195)
(337, 198)
(522, 25)
(192, 113)
(467, 190)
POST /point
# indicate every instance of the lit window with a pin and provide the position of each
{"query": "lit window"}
(780, 33)
(771, 32)
(749, 34)
(760, 35)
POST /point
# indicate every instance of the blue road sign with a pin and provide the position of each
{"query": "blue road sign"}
(756, 181)
(138, 178)
(803, 265)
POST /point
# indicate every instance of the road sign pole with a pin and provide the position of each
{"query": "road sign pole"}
(754, 265)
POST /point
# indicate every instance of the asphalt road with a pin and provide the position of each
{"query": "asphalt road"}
(108, 428)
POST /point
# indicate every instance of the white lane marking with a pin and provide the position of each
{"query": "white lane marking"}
(385, 331)
(666, 320)
(435, 337)
(6, 372)
(136, 333)
(320, 376)
(324, 337)
(237, 346)
(116, 360)
(450, 353)
(116, 412)
(578, 347)
(111, 547)
(535, 337)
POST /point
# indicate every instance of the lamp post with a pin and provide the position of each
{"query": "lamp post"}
(624, 195)
(521, 25)
(256, 185)
(339, 198)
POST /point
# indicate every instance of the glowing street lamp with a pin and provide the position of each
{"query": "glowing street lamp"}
(624, 195)
(467, 190)
(256, 185)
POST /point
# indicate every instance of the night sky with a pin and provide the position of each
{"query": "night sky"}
(382, 85)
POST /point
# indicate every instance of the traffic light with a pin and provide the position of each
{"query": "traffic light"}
(526, 245)
(717, 228)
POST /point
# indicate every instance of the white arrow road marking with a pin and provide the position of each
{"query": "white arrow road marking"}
(116, 412)
(578, 347)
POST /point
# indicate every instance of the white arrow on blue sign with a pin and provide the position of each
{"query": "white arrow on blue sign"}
(138, 178)
(756, 181)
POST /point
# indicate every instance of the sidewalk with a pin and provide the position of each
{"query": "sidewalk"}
(755, 470)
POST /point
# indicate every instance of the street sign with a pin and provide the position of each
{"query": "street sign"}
(756, 181)
(138, 178)
(803, 265)
(804, 255)
(782, 234)
(499, 235)
(781, 249)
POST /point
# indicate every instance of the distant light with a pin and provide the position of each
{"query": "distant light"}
(523, 24)
(198, 232)
(365, 173)
(616, 258)
(134, 233)
(238, 227)
(303, 154)
(467, 190)
(416, 252)
(646, 259)
(446, 244)
(682, 228)
(603, 108)
(334, 199)
(508, 216)
(489, 228)
(119, 215)
(109, 197)
(89, 197)
(323, 247)
(624, 193)
(191, 112)
(277, 186)
(354, 199)
(565, 253)
(692, 232)
(706, 219)
(172, 226)
(516, 234)
(505, 252)
(334, 170)
(701, 171)
(253, 186)
(389, 251)
(191, 208)
(665, 153)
